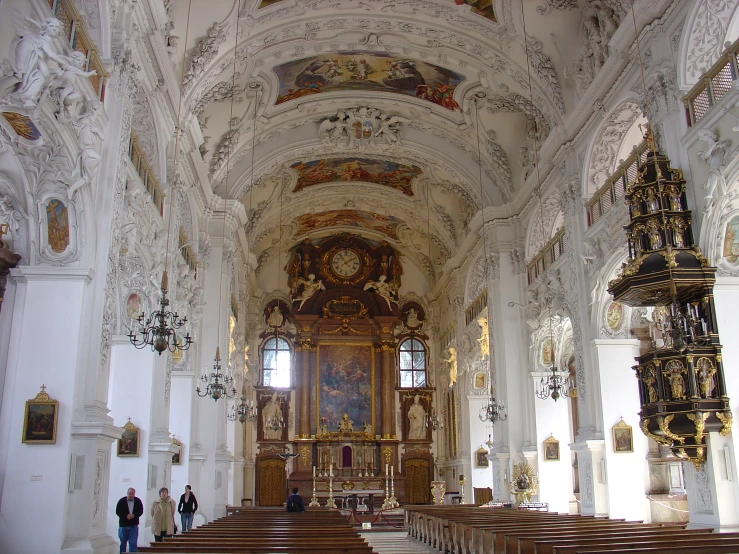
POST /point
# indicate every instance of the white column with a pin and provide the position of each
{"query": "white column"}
(712, 488)
(180, 421)
(627, 475)
(592, 468)
(44, 349)
(480, 477)
(555, 476)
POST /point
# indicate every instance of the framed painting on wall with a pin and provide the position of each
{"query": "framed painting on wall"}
(551, 449)
(177, 456)
(623, 439)
(40, 419)
(481, 458)
(128, 444)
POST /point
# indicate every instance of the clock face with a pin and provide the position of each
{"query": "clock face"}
(345, 263)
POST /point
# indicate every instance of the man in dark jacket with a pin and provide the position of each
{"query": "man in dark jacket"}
(295, 502)
(129, 509)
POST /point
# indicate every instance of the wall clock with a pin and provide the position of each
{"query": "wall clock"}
(345, 263)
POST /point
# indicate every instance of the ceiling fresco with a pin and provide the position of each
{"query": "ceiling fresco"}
(380, 172)
(364, 71)
(386, 224)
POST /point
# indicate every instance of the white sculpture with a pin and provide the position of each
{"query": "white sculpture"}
(310, 287)
(331, 130)
(26, 75)
(89, 157)
(275, 317)
(412, 320)
(270, 415)
(713, 156)
(484, 339)
(384, 289)
(416, 420)
(70, 97)
(390, 129)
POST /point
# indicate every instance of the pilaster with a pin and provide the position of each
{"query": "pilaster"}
(592, 466)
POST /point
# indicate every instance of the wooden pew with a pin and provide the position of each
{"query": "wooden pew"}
(666, 545)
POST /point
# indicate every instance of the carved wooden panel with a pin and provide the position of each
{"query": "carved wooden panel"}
(271, 476)
(417, 480)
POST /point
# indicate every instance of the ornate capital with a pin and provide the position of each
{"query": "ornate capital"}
(386, 344)
(306, 344)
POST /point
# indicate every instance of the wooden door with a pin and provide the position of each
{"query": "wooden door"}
(417, 481)
(271, 481)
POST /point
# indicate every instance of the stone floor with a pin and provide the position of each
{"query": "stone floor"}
(395, 542)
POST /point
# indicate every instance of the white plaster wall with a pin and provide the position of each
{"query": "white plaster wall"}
(481, 476)
(555, 477)
(43, 350)
(626, 475)
(131, 374)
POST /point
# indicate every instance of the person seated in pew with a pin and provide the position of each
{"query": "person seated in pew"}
(295, 502)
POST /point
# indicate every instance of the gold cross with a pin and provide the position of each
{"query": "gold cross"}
(43, 388)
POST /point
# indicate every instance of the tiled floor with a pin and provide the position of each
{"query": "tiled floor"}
(395, 542)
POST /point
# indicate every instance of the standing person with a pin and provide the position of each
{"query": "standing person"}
(187, 507)
(129, 509)
(295, 502)
(162, 515)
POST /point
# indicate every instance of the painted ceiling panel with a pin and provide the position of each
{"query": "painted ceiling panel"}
(380, 172)
(385, 224)
(357, 70)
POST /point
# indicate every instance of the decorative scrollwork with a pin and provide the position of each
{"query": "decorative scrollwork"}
(727, 418)
(664, 426)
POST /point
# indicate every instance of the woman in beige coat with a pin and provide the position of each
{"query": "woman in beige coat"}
(162, 515)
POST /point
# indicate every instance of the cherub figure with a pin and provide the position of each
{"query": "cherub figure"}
(70, 98)
(384, 289)
(310, 287)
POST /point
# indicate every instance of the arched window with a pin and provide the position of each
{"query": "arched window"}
(412, 364)
(276, 363)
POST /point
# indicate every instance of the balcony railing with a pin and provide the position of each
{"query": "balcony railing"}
(548, 254)
(448, 338)
(143, 168)
(712, 86)
(187, 252)
(79, 40)
(612, 190)
(477, 306)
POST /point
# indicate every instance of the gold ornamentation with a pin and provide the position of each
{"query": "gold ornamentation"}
(306, 344)
(386, 345)
(644, 425)
(525, 482)
(386, 329)
(304, 455)
(664, 426)
(437, 492)
(719, 358)
(699, 418)
(388, 455)
(727, 419)
(649, 377)
(669, 256)
(345, 308)
(704, 372)
(674, 370)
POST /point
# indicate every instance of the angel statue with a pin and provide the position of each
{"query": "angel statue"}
(452, 361)
(70, 97)
(390, 129)
(310, 287)
(484, 339)
(25, 75)
(384, 289)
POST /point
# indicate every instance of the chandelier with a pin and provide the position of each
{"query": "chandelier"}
(275, 423)
(493, 411)
(159, 330)
(555, 385)
(244, 411)
(217, 384)
(433, 421)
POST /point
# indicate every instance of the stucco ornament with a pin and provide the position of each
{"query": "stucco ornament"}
(714, 156)
(360, 128)
(89, 132)
(600, 22)
(205, 52)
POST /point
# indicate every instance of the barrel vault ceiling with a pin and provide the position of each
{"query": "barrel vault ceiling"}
(361, 115)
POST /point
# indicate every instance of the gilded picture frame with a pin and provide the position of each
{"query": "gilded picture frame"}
(40, 419)
(551, 449)
(623, 437)
(177, 456)
(128, 443)
(481, 458)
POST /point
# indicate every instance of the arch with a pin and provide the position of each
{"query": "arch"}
(609, 143)
(704, 34)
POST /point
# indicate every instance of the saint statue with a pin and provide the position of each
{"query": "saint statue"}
(310, 287)
(346, 424)
(484, 339)
(270, 414)
(275, 317)
(452, 361)
(412, 320)
(416, 420)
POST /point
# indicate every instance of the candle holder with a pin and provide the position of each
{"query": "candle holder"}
(387, 505)
(462, 482)
(330, 502)
(393, 501)
(314, 501)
